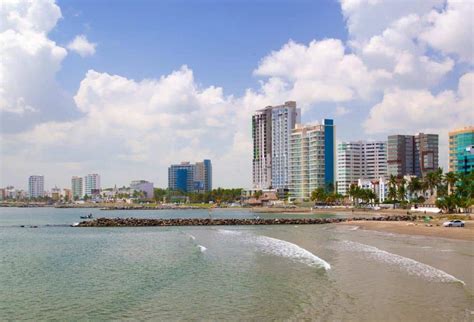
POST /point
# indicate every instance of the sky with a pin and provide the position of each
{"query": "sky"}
(126, 88)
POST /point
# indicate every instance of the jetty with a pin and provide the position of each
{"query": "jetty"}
(152, 222)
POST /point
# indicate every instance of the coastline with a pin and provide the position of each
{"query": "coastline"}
(417, 228)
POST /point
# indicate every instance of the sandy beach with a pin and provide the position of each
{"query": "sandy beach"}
(418, 228)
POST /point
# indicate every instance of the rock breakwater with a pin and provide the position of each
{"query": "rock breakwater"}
(144, 222)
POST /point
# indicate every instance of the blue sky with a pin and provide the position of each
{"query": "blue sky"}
(221, 41)
(124, 88)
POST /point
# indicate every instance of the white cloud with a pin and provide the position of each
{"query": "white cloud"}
(341, 111)
(452, 30)
(82, 46)
(29, 59)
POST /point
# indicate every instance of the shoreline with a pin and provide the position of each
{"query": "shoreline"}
(417, 228)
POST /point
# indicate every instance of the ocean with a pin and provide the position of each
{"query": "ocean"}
(313, 272)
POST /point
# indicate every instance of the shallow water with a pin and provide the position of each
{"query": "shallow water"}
(320, 272)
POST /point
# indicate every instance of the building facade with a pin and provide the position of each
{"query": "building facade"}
(461, 150)
(412, 154)
(187, 177)
(284, 119)
(360, 160)
(91, 184)
(143, 186)
(77, 187)
(36, 186)
(311, 155)
(271, 132)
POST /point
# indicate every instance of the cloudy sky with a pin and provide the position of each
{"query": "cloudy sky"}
(124, 88)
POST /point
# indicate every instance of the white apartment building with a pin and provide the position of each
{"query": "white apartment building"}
(36, 186)
(360, 160)
(307, 160)
(91, 183)
(379, 187)
(284, 119)
(271, 131)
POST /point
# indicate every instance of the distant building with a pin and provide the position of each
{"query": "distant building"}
(461, 150)
(77, 187)
(143, 186)
(56, 193)
(360, 160)
(67, 194)
(203, 176)
(3, 194)
(271, 132)
(36, 186)
(91, 184)
(187, 177)
(311, 163)
(378, 186)
(412, 154)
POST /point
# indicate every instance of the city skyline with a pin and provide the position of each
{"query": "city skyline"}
(80, 96)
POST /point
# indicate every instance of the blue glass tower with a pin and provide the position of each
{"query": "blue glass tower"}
(329, 142)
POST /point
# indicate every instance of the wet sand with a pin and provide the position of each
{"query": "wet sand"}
(418, 228)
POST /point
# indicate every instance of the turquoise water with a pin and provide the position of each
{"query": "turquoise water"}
(322, 272)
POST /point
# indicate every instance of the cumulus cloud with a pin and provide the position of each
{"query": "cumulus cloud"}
(29, 63)
(82, 46)
(452, 30)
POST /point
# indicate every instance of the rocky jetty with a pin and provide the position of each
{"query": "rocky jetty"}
(142, 222)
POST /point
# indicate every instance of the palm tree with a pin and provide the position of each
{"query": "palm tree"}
(392, 188)
(401, 189)
(450, 178)
(414, 186)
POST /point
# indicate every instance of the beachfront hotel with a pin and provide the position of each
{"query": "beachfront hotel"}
(187, 177)
(461, 150)
(36, 186)
(412, 154)
(271, 132)
(360, 160)
(311, 164)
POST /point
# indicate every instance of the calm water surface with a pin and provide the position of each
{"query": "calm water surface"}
(321, 272)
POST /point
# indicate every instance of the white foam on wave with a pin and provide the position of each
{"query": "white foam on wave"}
(354, 228)
(202, 248)
(192, 237)
(411, 266)
(278, 247)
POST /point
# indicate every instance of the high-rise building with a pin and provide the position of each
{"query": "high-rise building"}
(262, 148)
(360, 160)
(91, 184)
(461, 150)
(271, 132)
(412, 154)
(284, 119)
(203, 176)
(36, 186)
(311, 162)
(187, 177)
(143, 186)
(77, 187)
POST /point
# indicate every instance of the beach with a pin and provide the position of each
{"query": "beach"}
(433, 229)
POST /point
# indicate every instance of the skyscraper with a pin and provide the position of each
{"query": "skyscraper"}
(360, 160)
(91, 184)
(36, 186)
(461, 150)
(311, 162)
(271, 132)
(77, 187)
(412, 154)
(187, 177)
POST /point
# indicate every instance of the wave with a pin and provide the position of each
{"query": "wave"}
(354, 228)
(411, 266)
(202, 248)
(278, 247)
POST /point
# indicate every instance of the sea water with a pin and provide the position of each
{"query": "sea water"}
(319, 272)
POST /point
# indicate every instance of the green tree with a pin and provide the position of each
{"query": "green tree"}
(450, 178)
(319, 195)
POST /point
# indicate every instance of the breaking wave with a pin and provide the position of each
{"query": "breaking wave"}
(282, 248)
(202, 248)
(411, 266)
